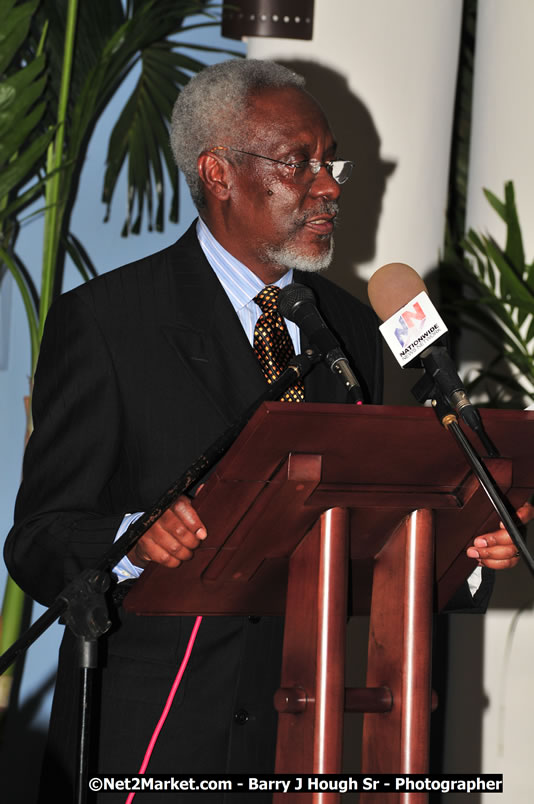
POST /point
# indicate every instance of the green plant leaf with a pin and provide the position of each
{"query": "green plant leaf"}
(19, 171)
(79, 256)
(497, 303)
(15, 25)
(12, 142)
(514, 241)
(25, 288)
(513, 289)
(497, 205)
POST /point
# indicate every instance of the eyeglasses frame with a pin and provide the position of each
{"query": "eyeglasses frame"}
(315, 164)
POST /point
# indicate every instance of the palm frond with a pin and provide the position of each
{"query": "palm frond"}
(79, 256)
(22, 147)
(140, 136)
(498, 301)
(16, 22)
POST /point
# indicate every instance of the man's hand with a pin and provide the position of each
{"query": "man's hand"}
(172, 539)
(496, 550)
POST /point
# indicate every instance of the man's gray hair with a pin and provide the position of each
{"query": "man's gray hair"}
(211, 110)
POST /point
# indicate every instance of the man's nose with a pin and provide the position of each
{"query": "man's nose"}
(324, 186)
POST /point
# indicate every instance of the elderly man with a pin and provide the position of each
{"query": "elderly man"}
(140, 370)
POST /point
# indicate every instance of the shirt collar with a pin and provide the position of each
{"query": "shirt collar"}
(239, 282)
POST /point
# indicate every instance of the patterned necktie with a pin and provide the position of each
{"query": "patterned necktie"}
(273, 344)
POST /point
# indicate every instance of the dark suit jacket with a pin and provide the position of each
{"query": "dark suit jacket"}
(140, 370)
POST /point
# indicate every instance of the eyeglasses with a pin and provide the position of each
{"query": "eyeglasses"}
(304, 171)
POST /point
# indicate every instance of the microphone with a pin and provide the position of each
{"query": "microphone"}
(411, 326)
(297, 303)
(399, 297)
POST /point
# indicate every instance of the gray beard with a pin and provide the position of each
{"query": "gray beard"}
(288, 257)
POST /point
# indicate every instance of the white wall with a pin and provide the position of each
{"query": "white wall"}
(503, 114)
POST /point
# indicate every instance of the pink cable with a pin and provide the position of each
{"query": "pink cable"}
(168, 703)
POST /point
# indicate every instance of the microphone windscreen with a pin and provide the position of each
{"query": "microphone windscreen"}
(291, 297)
(391, 287)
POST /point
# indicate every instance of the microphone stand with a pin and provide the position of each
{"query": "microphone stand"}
(82, 603)
(505, 510)
(439, 379)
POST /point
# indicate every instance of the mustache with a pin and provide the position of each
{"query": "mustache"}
(324, 208)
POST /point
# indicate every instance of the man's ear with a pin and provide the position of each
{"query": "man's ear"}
(214, 172)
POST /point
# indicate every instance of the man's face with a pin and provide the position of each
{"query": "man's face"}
(275, 222)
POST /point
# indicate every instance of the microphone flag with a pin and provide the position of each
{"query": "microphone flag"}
(412, 328)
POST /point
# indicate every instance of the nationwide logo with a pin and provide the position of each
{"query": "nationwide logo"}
(413, 328)
(410, 323)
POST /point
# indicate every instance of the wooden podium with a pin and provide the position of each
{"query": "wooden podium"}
(311, 496)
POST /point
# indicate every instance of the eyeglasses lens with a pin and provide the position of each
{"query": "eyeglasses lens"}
(339, 169)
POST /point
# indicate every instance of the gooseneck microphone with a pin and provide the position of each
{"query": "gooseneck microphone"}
(297, 303)
(411, 326)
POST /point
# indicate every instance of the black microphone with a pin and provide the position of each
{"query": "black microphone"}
(297, 303)
(394, 287)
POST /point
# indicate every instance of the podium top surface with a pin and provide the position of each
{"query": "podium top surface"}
(344, 434)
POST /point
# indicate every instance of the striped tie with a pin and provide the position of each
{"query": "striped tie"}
(273, 344)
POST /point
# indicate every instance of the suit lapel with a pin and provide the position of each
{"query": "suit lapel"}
(207, 334)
